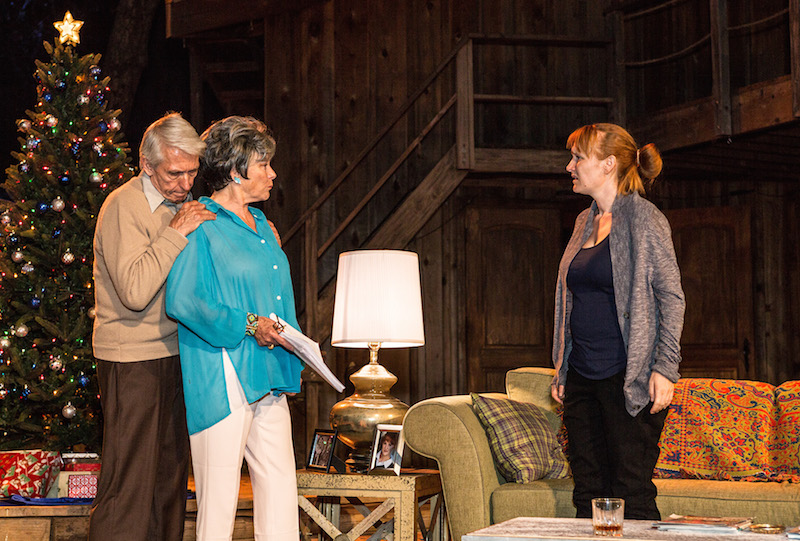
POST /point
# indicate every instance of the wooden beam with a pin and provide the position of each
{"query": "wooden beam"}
(188, 17)
(540, 40)
(794, 48)
(543, 100)
(763, 105)
(721, 66)
(465, 108)
(502, 160)
(677, 127)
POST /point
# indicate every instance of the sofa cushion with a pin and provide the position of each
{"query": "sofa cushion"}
(532, 384)
(523, 444)
(718, 429)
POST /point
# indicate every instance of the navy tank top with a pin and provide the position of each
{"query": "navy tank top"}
(598, 351)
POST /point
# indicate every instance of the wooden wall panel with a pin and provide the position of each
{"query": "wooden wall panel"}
(775, 285)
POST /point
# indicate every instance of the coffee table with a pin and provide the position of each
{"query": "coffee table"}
(580, 529)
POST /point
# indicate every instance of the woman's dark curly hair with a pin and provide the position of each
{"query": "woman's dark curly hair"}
(231, 143)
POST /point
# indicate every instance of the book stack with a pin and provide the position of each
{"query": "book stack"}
(793, 533)
(707, 525)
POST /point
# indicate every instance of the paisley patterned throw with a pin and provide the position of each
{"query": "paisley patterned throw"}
(732, 430)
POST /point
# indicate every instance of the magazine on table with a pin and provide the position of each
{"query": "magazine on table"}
(704, 524)
(308, 350)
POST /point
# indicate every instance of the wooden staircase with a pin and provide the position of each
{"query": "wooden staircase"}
(455, 164)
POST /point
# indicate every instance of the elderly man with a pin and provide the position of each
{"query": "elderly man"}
(141, 229)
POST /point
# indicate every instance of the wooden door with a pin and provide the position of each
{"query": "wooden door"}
(512, 261)
(713, 251)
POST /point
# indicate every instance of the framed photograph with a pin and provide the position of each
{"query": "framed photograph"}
(387, 450)
(322, 446)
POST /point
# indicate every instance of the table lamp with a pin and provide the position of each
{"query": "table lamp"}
(378, 304)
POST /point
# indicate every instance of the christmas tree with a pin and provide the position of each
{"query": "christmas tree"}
(72, 155)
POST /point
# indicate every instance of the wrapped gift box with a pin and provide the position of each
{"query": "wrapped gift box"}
(28, 473)
(82, 485)
(70, 483)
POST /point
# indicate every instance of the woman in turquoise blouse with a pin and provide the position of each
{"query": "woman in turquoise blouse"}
(230, 277)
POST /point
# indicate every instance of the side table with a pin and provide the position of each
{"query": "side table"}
(405, 495)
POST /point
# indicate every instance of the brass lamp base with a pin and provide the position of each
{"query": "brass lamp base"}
(356, 416)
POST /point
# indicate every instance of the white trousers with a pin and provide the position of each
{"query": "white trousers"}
(260, 432)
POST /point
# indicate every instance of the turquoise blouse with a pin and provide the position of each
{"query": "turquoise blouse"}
(225, 271)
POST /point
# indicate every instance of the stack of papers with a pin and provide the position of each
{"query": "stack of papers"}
(793, 533)
(710, 525)
(308, 351)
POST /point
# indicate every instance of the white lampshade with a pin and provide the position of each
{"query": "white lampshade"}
(378, 299)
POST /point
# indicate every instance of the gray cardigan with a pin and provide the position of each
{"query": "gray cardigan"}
(647, 290)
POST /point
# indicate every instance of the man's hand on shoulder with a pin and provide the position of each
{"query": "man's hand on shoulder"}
(190, 216)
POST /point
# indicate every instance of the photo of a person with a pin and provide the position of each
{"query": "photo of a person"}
(387, 450)
(322, 450)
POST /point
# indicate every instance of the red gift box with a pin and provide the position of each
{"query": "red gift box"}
(82, 486)
(28, 473)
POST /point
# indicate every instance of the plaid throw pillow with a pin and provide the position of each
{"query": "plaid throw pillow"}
(523, 443)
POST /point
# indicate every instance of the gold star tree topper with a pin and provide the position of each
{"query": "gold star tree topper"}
(68, 29)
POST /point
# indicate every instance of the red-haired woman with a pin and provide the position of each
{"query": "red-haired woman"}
(619, 311)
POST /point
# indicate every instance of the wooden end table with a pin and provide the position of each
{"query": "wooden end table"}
(405, 494)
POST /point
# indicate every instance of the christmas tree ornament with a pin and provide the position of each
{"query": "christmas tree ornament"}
(68, 30)
(51, 121)
(27, 268)
(91, 313)
(5, 343)
(97, 147)
(47, 96)
(67, 257)
(42, 206)
(17, 256)
(3, 391)
(22, 331)
(95, 72)
(55, 363)
(69, 411)
(103, 126)
(36, 302)
(24, 124)
(83, 380)
(83, 99)
(57, 204)
(23, 167)
(56, 232)
(32, 142)
(64, 179)
(96, 177)
(61, 84)
(114, 124)
(12, 239)
(100, 99)
(5, 218)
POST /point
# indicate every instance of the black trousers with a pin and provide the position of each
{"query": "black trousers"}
(611, 453)
(141, 494)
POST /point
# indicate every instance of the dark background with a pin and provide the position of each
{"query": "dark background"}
(25, 24)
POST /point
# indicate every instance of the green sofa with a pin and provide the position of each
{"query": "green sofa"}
(476, 495)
